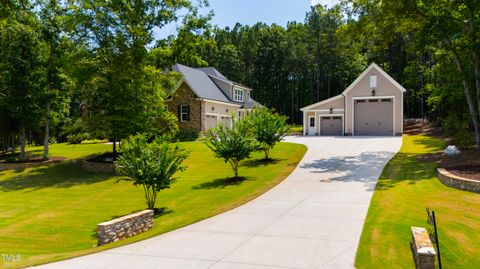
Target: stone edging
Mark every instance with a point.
(98, 167)
(457, 182)
(124, 227)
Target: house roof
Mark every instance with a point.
(204, 83)
(380, 70)
(212, 71)
(322, 102)
(200, 83)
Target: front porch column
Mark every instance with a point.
(304, 123)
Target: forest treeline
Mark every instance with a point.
(59, 59)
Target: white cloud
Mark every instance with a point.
(329, 3)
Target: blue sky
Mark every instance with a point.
(249, 12)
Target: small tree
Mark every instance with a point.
(267, 127)
(151, 165)
(232, 144)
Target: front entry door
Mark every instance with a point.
(311, 125)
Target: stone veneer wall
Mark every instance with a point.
(422, 249)
(185, 96)
(98, 167)
(457, 182)
(124, 227)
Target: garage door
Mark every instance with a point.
(225, 121)
(211, 122)
(374, 117)
(331, 125)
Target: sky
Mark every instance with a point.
(249, 12)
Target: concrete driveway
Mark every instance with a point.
(313, 219)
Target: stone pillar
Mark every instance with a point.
(422, 249)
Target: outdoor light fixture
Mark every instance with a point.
(331, 110)
(213, 108)
(226, 110)
(373, 92)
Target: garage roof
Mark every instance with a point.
(380, 70)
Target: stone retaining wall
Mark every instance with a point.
(422, 249)
(457, 182)
(98, 167)
(124, 227)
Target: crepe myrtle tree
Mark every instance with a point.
(152, 165)
(231, 144)
(267, 128)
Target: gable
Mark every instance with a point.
(385, 83)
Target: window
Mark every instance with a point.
(184, 113)
(238, 95)
(373, 101)
(312, 122)
(373, 82)
(387, 100)
(248, 95)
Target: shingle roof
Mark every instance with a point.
(202, 82)
(212, 71)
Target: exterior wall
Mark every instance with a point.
(185, 96)
(384, 88)
(218, 109)
(335, 104)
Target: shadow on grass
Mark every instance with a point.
(221, 183)
(62, 175)
(260, 162)
(429, 143)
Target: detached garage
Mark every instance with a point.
(371, 106)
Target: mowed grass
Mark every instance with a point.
(50, 213)
(405, 188)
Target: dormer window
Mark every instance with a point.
(238, 95)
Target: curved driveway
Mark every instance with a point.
(313, 219)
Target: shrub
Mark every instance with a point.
(232, 144)
(268, 128)
(457, 128)
(77, 138)
(188, 135)
(152, 165)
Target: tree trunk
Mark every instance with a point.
(22, 144)
(47, 132)
(114, 149)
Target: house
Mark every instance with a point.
(371, 106)
(205, 98)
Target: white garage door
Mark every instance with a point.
(373, 117)
(211, 121)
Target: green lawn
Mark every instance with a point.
(50, 213)
(405, 188)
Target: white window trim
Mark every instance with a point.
(183, 113)
(238, 97)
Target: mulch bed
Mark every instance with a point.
(466, 171)
(466, 165)
(104, 158)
